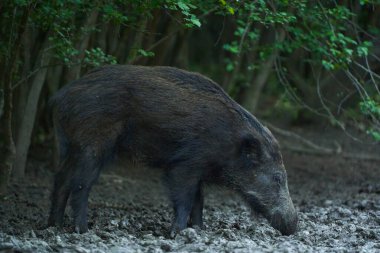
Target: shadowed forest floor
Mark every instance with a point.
(338, 200)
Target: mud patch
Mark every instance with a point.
(338, 201)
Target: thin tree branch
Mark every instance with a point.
(299, 138)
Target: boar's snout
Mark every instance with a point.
(286, 221)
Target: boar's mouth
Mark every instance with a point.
(284, 219)
(286, 223)
(257, 206)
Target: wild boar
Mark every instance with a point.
(173, 119)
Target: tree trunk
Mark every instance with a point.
(9, 67)
(101, 38)
(20, 92)
(138, 40)
(113, 37)
(74, 72)
(8, 151)
(169, 33)
(230, 80)
(181, 58)
(150, 37)
(27, 123)
(122, 50)
(252, 94)
(1, 103)
(53, 79)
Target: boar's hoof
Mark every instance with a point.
(80, 229)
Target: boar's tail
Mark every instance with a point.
(60, 140)
(51, 108)
(51, 104)
(53, 100)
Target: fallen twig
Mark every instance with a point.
(310, 147)
(306, 142)
(359, 156)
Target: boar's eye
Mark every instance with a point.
(279, 178)
(251, 148)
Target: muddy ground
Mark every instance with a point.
(338, 200)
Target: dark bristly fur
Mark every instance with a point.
(168, 118)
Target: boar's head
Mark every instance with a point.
(259, 175)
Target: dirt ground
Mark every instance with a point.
(338, 200)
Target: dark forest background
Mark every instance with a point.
(301, 62)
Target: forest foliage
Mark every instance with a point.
(296, 60)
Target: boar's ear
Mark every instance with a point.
(250, 147)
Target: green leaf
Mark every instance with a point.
(183, 6)
(230, 10)
(362, 51)
(328, 65)
(230, 67)
(375, 134)
(145, 53)
(370, 106)
(195, 21)
(233, 48)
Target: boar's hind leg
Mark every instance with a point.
(183, 190)
(61, 192)
(85, 174)
(197, 210)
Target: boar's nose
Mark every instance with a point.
(286, 223)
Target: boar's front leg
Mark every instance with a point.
(87, 171)
(61, 191)
(183, 188)
(197, 210)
